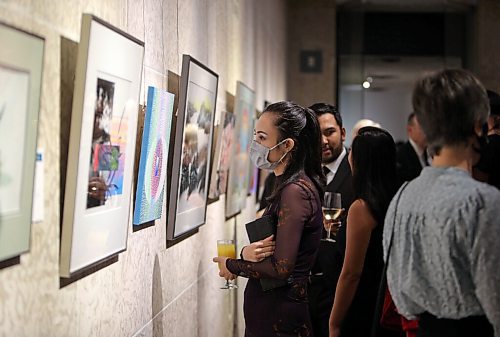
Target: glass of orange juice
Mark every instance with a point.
(227, 248)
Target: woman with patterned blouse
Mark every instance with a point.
(444, 265)
(287, 141)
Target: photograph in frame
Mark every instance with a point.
(222, 156)
(253, 170)
(213, 193)
(193, 148)
(151, 179)
(21, 64)
(101, 147)
(239, 180)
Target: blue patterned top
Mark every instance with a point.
(445, 257)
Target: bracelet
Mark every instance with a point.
(241, 253)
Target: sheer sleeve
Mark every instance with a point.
(294, 211)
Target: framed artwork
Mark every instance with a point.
(213, 191)
(238, 182)
(102, 144)
(21, 63)
(154, 156)
(193, 147)
(253, 170)
(222, 156)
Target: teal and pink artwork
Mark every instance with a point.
(154, 156)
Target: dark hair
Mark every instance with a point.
(494, 100)
(448, 104)
(374, 169)
(410, 118)
(323, 108)
(301, 125)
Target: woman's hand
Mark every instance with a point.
(259, 250)
(97, 188)
(223, 271)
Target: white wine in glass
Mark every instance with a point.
(332, 210)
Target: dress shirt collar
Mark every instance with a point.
(419, 152)
(334, 166)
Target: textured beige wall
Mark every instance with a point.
(312, 26)
(151, 290)
(488, 39)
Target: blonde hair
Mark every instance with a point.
(361, 124)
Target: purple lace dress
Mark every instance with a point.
(284, 311)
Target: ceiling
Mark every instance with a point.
(390, 71)
(393, 70)
(406, 5)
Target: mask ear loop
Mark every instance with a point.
(275, 146)
(284, 155)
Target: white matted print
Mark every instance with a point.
(21, 62)
(239, 177)
(13, 104)
(193, 148)
(102, 146)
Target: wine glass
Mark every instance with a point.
(226, 248)
(332, 209)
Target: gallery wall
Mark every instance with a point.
(311, 32)
(486, 36)
(151, 290)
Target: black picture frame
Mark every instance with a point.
(192, 152)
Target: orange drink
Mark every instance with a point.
(226, 248)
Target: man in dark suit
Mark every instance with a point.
(488, 168)
(411, 157)
(339, 179)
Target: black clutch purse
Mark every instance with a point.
(260, 229)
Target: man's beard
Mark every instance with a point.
(335, 154)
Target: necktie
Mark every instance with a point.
(425, 158)
(326, 170)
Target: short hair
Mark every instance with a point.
(361, 124)
(410, 118)
(323, 108)
(494, 99)
(448, 104)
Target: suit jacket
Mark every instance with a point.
(407, 163)
(342, 183)
(330, 257)
(327, 255)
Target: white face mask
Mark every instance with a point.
(259, 154)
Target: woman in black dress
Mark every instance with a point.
(373, 163)
(287, 141)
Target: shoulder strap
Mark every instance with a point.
(389, 247)
(383, 280)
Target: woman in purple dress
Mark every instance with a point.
(287, 141)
